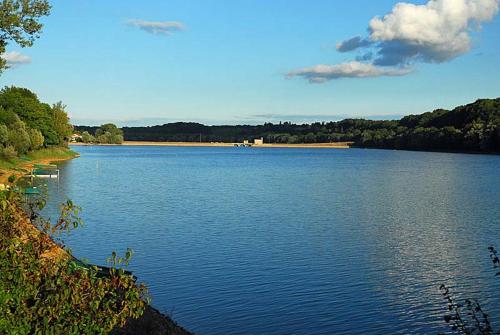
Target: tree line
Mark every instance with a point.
(106, 134)
(26, 124)
(473, 127)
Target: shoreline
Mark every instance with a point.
(334, 145)
(22, 167)
(152, 321)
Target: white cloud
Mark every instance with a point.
(15, 58)
(157, 28)
(435, 32)
(322, 73)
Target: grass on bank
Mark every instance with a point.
(55, 153)
(46, 155)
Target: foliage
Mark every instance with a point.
(32, 112)
(87, 138)
(44, 294)
(4, 135)
(18, 136)
(8, 152)
(474, 127)
(30, 123)
(19, 22)
(52, 153)
(468, 317)
(61, 122)
(109, 134)
(36, 139)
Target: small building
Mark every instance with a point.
(245, 142)
(76, 138)
(259, 141)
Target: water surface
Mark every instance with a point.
(292, 241)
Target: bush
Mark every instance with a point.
(8, 152)
(44, 294)
(36, 139)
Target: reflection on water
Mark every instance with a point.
(287, 241)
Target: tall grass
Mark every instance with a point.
(54, 153)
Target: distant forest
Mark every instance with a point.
(473, 127)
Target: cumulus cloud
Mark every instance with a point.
(435, 32)
(156, 27)
(14, 58)
(322, 73)
(353, 43)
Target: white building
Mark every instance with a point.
(259, 141)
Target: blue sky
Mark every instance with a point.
(235, 61)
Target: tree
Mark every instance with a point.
(19, 137)
(35, 114)
(36, 139)
(109, 134)
(61, 122)
(4, 135)
(87, 138)
(19, 22)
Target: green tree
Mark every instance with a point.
(4, 135)
(19, 23)
(87, 138)
(36, 139)
(61, 122)
(19, 137)
(109, 134)
(35, 114)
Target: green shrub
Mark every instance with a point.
(8, 152)
(42, 294)
(36, 139)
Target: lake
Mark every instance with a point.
(292, 241)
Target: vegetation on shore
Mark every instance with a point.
(27, 125)
(41, 293)
(106, 134)
(44, 155)
(31, 130)
(473, 127)
(468, 317)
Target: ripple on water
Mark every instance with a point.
(288, 241)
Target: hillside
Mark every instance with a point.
(474, 127)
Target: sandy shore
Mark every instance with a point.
(335, 145)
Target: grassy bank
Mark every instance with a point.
(20, 165)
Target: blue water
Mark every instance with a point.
(293, 241)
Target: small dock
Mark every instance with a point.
(45, 171)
